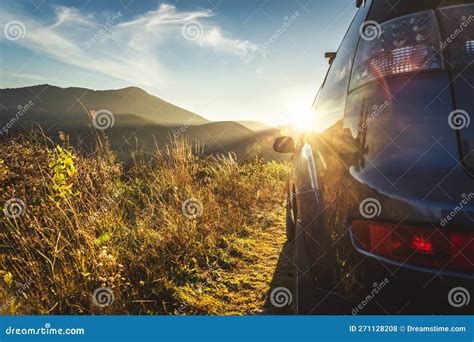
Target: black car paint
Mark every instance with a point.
(408, 159)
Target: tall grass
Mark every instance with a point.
(89, 223)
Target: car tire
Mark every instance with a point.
(315, 271)
(290, 221)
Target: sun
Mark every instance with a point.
(298, 104)
(303, 119)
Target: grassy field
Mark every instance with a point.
(172, 234)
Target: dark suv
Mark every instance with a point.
(381, 201)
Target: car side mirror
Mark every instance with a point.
(284, 145)
(330, 56)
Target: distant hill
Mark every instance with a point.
(140, 120)
(222, 132)
(255, 126)
(71, 103)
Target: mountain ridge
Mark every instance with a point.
(56, 109)
(75, 100)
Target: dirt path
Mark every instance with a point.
(262, 265)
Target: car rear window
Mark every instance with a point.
(383, 10)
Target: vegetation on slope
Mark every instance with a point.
(173, 234)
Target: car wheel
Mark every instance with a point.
(312, 290)
(315, 272)
(290, 221)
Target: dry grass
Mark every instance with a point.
(89, 223)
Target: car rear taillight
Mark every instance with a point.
(415, 245)
(405, 44)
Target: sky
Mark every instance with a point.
(222, 59)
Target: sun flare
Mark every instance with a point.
(298, 103)
(303, 119)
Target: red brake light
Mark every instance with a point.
(419, 243)
(424, 246)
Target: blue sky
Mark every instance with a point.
(214, 57)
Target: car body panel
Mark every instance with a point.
(463, 89)
(407, 158)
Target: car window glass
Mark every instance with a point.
(330, 102)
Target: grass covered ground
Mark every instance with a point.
(172, 234)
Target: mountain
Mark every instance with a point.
(223, 132)
(73, 103)
(255, 126)
(140, 120)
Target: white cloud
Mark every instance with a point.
(166, 14)
(214, 37)
(168, 20)
(128, 50)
